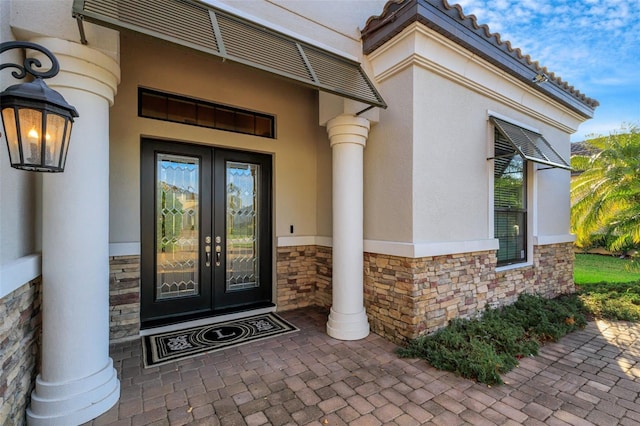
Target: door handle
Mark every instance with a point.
(218, 254)
(207, 251)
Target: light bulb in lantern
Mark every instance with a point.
(49, 149)
(34, 145)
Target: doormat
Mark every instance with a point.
(176, 345)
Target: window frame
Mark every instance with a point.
(235, 113)
(523, 241)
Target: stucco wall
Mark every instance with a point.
(332, 23)
(17, 188)
(324, 195)
(449, 161)
(388, 192)
(440, 97)
(154, 64)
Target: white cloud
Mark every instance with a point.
(592, 44)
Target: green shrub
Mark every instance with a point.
(616, 301)
(483, 349)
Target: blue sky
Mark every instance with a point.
(592, 44)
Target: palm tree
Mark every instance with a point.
(606, 196)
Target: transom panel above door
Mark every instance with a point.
(205, 231)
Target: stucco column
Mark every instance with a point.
(348, 136)
(77, 381)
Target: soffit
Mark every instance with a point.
(450, 21)
(529, 145)
(203, 27)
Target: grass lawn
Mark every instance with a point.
(607, 287)
(595, 268)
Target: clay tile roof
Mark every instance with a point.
(583, 148)
(442, 17)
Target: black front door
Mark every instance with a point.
(205, 231)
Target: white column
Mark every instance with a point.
(77, 381)
(348, 136)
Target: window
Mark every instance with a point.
(180, 109)
(510, 202)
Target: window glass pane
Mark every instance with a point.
(181, 111)
(245, 123)
(243, 194)
(206, 116)
(264, 126)
(510, 204)
(510, 230)
(153, 105)
(509, 187)
(225, 119)
(201, 113)
(178, 225)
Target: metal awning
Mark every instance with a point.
(203, 27)
(529, 145)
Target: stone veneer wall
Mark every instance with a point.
(20, 330)
(295, 277)
(303, 277)
(406, 297)
(124, 297)
(324, 264)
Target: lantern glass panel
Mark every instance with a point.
(31, 132)
(11, 133)
(54, 139)
(65, 144)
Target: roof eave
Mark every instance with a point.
(398, 15)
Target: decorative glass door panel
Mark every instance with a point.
(242, 226)
(205, 231)
(177, 227)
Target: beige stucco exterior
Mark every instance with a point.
(298, 138)
(17, 225)
(395, 205)
(439, 139)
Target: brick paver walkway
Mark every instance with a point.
(589, 377)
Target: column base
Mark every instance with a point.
(348, 326)
(74, 403)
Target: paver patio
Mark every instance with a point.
(590, 377)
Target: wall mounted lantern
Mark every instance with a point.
(37, 120)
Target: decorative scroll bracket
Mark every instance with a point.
(30, 65)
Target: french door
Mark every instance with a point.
(205, 231)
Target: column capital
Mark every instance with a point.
(81, 67)
(348, 128)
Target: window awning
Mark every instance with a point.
(529, 145)
(203, 27)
